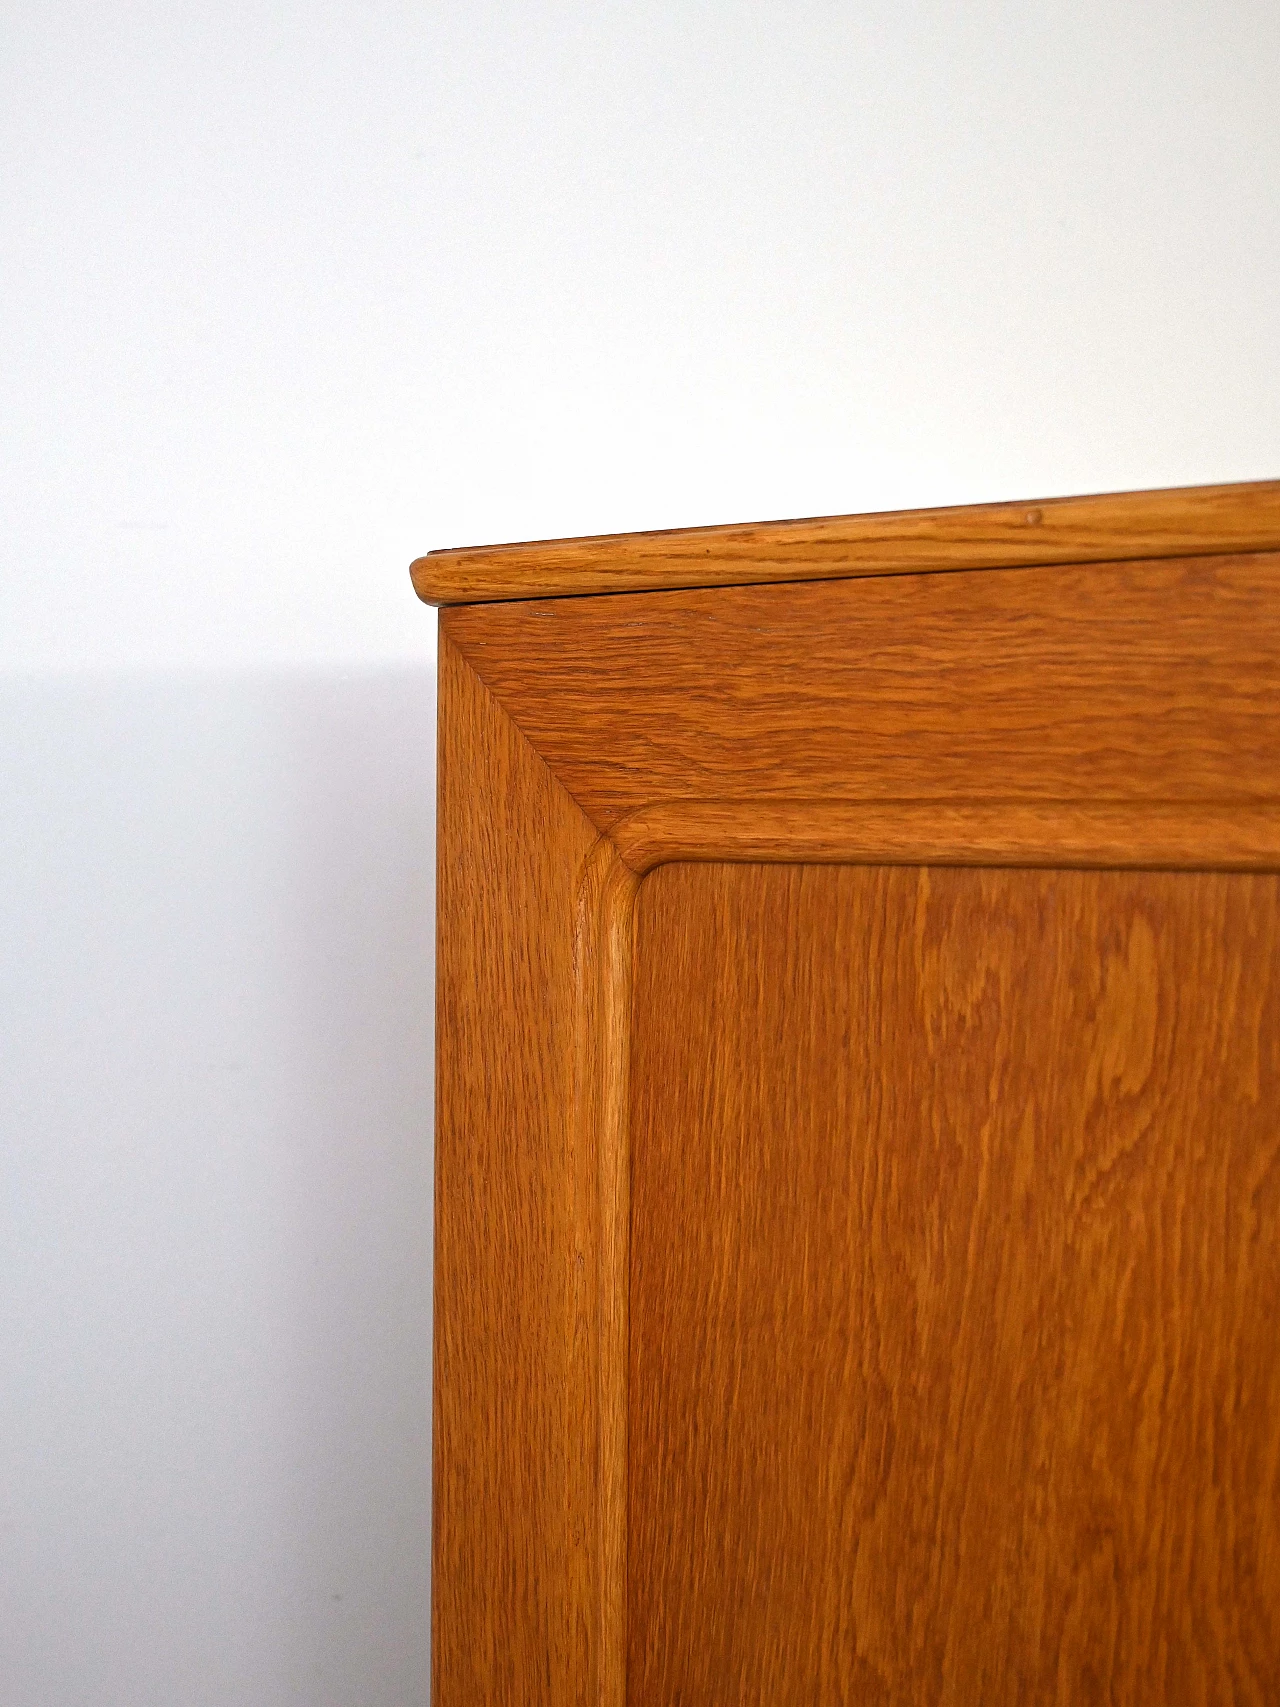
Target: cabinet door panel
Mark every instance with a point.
(955, 1281)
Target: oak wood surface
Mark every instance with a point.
(514, 1470)
(1124, 714)
(1178, 522)
(1111, 682)
(601, 1138)
(955, 1280)
(1151, 834)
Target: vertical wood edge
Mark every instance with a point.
(602, 1216)
(511, 850)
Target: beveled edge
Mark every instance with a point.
(1184, 521)
(1170, 835)
(601, 1140)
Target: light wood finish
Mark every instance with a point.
(1179, 522)
(602, 1206)
(514, 1462)
(1131, 682)
(1120, 715)
(1160, 835)
(532, 1225)
(955, 1284)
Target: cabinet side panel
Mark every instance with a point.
(511, 846)
(955, 1266)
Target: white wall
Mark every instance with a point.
(215, 1188)
(288, 294)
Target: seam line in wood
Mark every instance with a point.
(518, 726)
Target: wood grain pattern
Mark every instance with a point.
(602, 1212)
(1148, 834)
(1179, 522)
(1121, 714)
(1117, 682)
(955, 1279)
(514, 1616)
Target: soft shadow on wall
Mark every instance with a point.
(215, 1223)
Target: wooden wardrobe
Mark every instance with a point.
(858, 1111)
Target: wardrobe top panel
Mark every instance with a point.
(1184, 521)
